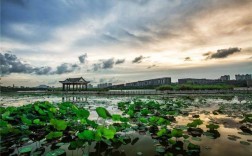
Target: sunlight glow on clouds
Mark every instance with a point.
(125, 40)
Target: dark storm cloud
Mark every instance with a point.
(188, 59)
(120, 61)
(104, 64)
(83, 58)
(109, 63)
(138, 59)
(11, 64)
(66, 68)
(223, 53)
(42, 70)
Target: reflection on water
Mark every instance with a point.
(74, 99)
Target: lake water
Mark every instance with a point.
(143, 143)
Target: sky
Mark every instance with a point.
(120, 41)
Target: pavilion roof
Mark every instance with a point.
(75, 80)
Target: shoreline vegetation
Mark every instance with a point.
(172, 87)
(178, 87)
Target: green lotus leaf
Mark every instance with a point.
(195, 123)
(52, 109)
(171, 141)
(59, 124)
(25, 120)
(212, 126)
(145, 112)
(192, 146)
(103, 113)
(162, 132)
(109, 133)
(92, 123)
(82, 113)
(57, 152)
(116, 117)
(36, 121)
(177, 133)
(143, 120)
(131, 113)
(53, 135)
(25, 149)
(3, 123)
(87, 135)
(6, 115)
(124, 119)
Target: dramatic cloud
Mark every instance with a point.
(120, 61)
(104, 64)
(11, 64)
(49, 34)
(222, 53)
(109, 63)
(138, 59)
(188, 59)
(66, 68)
(43, 70)
(83, 58)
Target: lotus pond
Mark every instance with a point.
(125, 125)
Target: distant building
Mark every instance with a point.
(43, 86)
(90, 86)
(104, 85)
(118, 86)
(249, 83)
(198, 81)
(225, 78)
(243, 77)
(151, 82)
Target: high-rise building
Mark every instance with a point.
(243, 77)
(104, 85)
(225, 78)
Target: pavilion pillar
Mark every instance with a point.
(86, 86)
(73, 86)
(63, 87)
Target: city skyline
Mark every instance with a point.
(123, 41)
